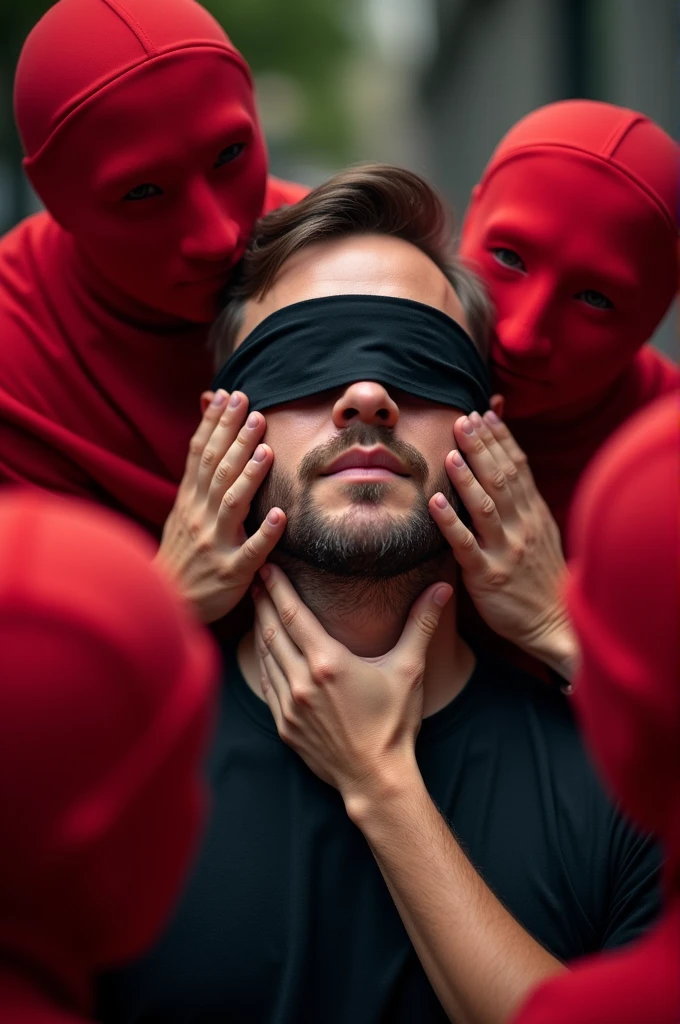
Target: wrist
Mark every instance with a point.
(558, 648)
(381, 793)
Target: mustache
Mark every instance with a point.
(365, 435)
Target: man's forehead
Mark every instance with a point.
(356, 265)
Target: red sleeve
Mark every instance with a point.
(282, 193)
(639, 984)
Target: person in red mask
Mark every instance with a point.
(105, 701)
(573, 230)
(625, 602)
(142, 139)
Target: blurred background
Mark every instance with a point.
(430, 84)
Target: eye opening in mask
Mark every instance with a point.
(596, 300)
(140, 192)
(511, 259)
(229, 154)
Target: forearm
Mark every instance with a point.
(480, 961)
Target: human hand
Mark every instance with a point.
(512, 565)
(204, 547)
(353, 720)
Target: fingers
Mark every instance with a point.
(481, 506)
(257, 548)
(230, 508)
(201, 437)
(300, 623)
(505, 464)
(224, 435)
(513, 451)
(269, 689)
(463, 543)
(482, 463)
(422, 623)
(234, 460)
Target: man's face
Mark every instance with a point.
(354, 467)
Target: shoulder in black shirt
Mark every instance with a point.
(286, 918)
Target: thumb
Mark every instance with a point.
(423, 620)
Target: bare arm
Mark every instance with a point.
(354, 722)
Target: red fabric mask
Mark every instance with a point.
(104, 708)
(158, 187)
(624, 598)
(104, 311)
(573, 230)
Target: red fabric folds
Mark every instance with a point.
(105, 704)
(142, 139)
(624, 596)
(573, 229)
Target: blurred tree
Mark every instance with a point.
(304, 42)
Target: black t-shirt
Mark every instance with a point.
(286, 918)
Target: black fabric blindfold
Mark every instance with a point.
(319, 344)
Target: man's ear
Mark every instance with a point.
(497, 404)
(207, 397)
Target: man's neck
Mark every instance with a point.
(368, 617)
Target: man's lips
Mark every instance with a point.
(366, 462)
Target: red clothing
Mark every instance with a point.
(105, 702)
(624, 598)
(573, 230)
(558, 453)
(143, 141)
(637, 985)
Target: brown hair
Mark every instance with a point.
(370, 199)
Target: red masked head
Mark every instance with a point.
(104, 708)
(624, 597)
(573, 230)
(142, 139)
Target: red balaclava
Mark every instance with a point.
(624, 597)
(573, 230)
(105, 704)
(142, 139)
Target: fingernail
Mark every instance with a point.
(265, 572)
(219, 398)
(234, 401)
(491, 417)
(457, 459)
(440, 501)
(260, 454)
(467, 426)
(476, 420)
(441, 596)
(252, 420)
(273, 517)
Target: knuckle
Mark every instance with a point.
(413, 672)
(498, 480)
(323, 671)
(208, 458)
(487, 507)
(511, 472)
(520, 459)
(299, 693)
(288, 614)
(428, 623)
(195, 446)
(230, 500)
(194, 528)
(250, 550)
(222, 473)
(468, 542)
(497, 576)
(269, 634)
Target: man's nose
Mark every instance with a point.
(365, 402)
(210, 232)
(524, 330)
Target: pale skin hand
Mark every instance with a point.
(351, 719)
(354, 721)
(204, 547)
(512, 565)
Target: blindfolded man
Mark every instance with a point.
(353, 331)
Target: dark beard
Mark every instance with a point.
(375, 548)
